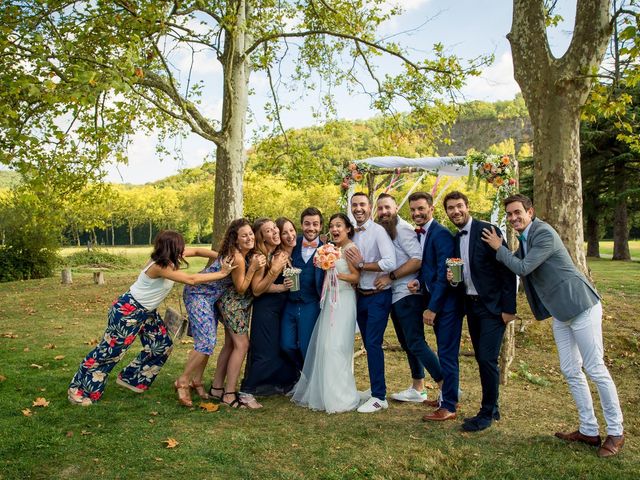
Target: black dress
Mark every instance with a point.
(268, 370)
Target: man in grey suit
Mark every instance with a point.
(555, 288)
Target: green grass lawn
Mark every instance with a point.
(46, 329)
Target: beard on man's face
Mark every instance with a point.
(389, 224)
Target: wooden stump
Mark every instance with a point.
(98, 278)
(508, 352)
(66, 276)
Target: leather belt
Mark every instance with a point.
(367, 293)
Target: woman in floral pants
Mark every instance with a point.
(134, 313)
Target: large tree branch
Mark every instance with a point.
(590, 38)
(193, 117)
(345, 36)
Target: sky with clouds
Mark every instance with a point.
(466, 28)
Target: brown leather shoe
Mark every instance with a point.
(576, 436)
(611, 446)
(439, 415)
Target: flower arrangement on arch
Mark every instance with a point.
(347, 176)
(326, 256)
(497, 170)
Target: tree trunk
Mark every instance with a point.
(150, 232)
(593, 234)
(113, 234)
(620, 218)
(130, 234)
(230, 153)
(98, 278)
(66, 277)
(554, 90)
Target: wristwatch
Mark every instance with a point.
(360, 265)
(392, 276)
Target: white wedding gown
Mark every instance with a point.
(327, 382)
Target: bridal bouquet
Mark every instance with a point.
(326, 256)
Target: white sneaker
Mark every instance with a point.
(373, 405)
(410, 395)
(364, 395)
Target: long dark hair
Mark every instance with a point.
(228, 244)
(351, 230)
(168, 250)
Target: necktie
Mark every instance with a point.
(419, 230)
(461, 233)
(313, 244)
(360, 229)
(522, 238)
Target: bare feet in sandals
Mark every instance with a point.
(250, 401)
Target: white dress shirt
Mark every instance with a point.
(375, 246)
(308, 252)
(407, 246)
(464, 254)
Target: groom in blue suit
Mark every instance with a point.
(303, 307)
(442, 308)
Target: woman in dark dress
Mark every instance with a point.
(268, 371)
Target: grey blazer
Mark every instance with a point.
(553, 284)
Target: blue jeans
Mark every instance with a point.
(373, 315)
(406, 315)
(298, 320)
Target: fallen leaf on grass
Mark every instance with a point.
(40, 402)
(69, 434)
(93, 341)
(25, 349)
(58, 357)
(27, 412)
(171, 442)
(186, 342)
(49, 346)
(209, 407)
(2, 378)
(152, 421)
(158, 459)
(8, 335)
(86, 432)
(154, 413)
(35, 365)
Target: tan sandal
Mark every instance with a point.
(184, 394)
(200, 391)
(214, 396)
(76, 399)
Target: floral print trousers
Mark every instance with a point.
(127, 319)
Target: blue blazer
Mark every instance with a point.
(495, 283)
(439, 245)
(298, 262)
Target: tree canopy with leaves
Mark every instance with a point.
(85, 75)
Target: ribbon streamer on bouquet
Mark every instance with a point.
(330, 288)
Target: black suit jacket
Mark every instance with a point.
(495, 284)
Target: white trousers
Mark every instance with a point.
(579, 342)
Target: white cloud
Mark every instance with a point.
(495, 83)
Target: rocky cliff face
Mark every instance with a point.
(481, 134)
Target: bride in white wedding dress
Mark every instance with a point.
(327, 382)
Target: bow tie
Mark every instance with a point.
(313, 244)
(420, 230)
(360, 229)
(522, 238)
(461, 233)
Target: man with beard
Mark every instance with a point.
(489, 292)
(406, 308)
(442, 309)
(375, 253)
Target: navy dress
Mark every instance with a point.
(268, 370)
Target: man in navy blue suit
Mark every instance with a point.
(489, 291)
(303, 307)
(441, 306)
